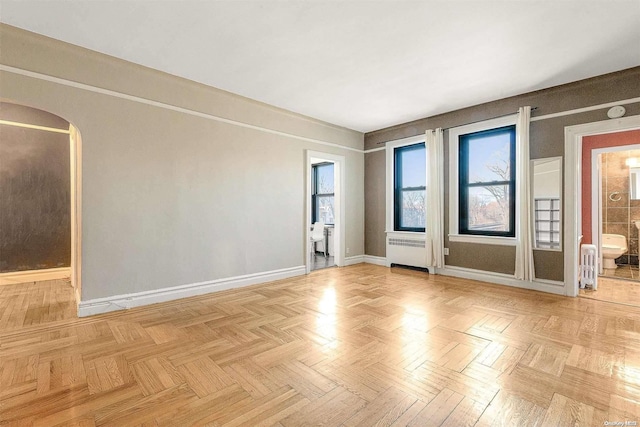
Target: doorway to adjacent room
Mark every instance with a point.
(325, 212)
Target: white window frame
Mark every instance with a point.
(390, 150)
(454, 189)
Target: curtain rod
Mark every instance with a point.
(465, 124)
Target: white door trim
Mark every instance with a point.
(573, 189)
(75, 152)
(339, 205)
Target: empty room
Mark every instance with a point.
(287, 213)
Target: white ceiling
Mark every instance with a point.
(364, 65)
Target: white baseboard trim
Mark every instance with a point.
(14, 277)
(376, 260)
(548, 282)
(542, 285)
(503, 279)
(369, 259)
(358, 259)
(138, 299)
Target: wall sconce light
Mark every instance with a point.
(632, 162)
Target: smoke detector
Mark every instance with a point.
(616, 112)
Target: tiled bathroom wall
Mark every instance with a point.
(619, 210)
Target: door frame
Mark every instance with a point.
(75, 193)
(597, 194)
(75, 153)
(339, 205)
(573, 136)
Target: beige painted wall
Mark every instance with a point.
(171, 198)
(547, 140)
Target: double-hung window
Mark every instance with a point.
(322, 197)
(483, 182)
(409, 187)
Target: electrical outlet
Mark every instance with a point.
(348, 250)
(446, 251)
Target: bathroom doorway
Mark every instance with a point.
(618, 203)
(610, 209)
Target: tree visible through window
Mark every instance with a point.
(487, 182)
(410, 172)
(323, 193)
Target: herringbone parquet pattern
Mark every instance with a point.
(355, 346)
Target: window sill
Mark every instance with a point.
(483, 240)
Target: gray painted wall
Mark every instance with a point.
(35, 222)
(546, 140)
(169, 198)
(35, 219)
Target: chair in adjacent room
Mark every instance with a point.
(317, 235)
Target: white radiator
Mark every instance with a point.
(589, 266)
(406, 250)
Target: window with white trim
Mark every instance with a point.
(486, 184)
(406, 178)
(410, 176)
(483, 182)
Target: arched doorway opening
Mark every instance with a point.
(40, 198)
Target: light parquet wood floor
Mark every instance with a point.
(615, 290)
(25, 304)
(355, 346)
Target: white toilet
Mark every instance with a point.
(613, 245)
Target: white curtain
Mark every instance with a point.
(524, 253)
(434, 200)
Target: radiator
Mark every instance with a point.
(588, 267)
(406, 250)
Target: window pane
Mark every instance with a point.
(414, 167)
(489, 157)
(325, 209)
(413, 209)
(325, 179)
(409, 187)
(489, 208)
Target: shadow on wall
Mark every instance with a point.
(35, 221)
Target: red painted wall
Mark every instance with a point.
(590, 143)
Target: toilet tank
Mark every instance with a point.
(617, 240)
